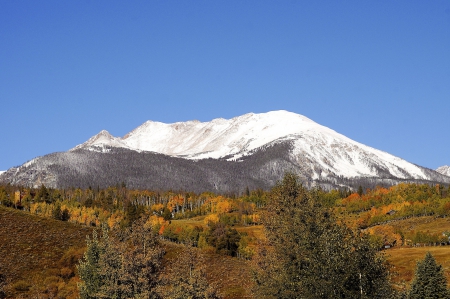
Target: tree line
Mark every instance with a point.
(401, 201)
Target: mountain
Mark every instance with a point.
(445, 170)
(215, 139)
(99, 141)
(222, 155)
(330, 152)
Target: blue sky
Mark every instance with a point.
(375, 71)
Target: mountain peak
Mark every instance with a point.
(445, 170)
(102, 139)
(329, 151)
(219, 137)
(104, 133)
(267, 144)
(214, 139)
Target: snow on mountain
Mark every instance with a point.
(101, 142)
(2, 171)
(445, 170)
(219, 137)
(214, 139)
(323, 150)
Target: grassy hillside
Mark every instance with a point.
(32, 250)
(429, 224)
(232, 275)
(404, 262)
(404, 258)
(38, 257)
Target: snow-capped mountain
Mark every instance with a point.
(252, 150)
(101, 142)
(327, 151)
(445, 170)
(215, 139)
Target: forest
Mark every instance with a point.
(152, 171)
(287, 242)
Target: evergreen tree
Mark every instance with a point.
(429, 281)
(2, 285)
(65, 215)
(110, 263)
(167, 215)
(43, 195)
(4, 197)
(223, 238)
(89, 269)
(133, 212)
(309, 255)
(56, 213)
(247, 192)
(360, 191)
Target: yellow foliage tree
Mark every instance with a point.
(211, 218)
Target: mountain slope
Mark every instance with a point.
(219, 137)
(445, 170)
(32, 248)
(146, 170)
(330, 152)
(214, 139)
(251, 150)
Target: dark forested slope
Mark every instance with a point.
(148, 170)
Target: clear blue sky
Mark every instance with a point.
(375, 71)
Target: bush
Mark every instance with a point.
(21, 286)
(67, 273)
(71, 257)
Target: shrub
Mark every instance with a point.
(21, 286)
(67, 273)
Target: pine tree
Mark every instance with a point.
(65, 215)
(360, 191)
(110, 264)
(43, 195)
(56, 213)
(89, 269)
(429, 281)
(309, 255)
(2, 285)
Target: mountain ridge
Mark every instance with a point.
(214, 139)
(241, 135)
(222, 155)
(445, 170)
